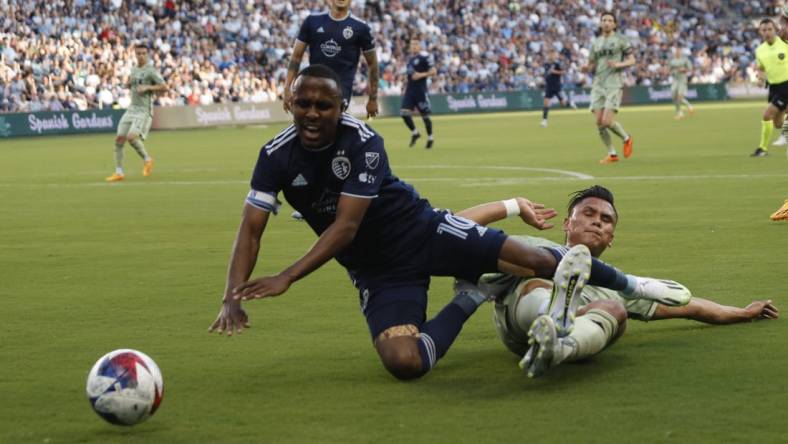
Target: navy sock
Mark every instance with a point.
(409, 122)
(427, 124)
(438, 333)
(545, 110)
(602, 274)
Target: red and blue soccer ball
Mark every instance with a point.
(125, 387)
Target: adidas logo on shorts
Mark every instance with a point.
(299, 181)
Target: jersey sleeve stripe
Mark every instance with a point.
(271, 147)
(358, 195)
(263, 201)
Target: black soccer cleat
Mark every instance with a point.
(759, 152)
(413, 139)
(429, 144)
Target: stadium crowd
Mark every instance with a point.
(76, 54)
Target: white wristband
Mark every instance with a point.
(512, 207)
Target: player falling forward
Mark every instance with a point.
(421, 66)
(533, 323)
(334, 170)
(611, 52)
(336, 39)
(135, 124)
(680, 67)
(552, 85)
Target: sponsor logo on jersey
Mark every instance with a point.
(366, 178)
(299, 181)
(330, 48)
(372, 159)
(347, 33)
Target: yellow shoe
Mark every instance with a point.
(115, 177)
(148, 168)
(610, 158)
(782, 213)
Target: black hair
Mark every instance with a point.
(322, 71)
(766, 21)
(597, 191)
(612, 14)
(141, 45)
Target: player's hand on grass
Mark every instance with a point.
(262, 288)
(762, 310)
(232, 318)
(372, 108)
(535, 214)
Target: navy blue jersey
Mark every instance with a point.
(337, 44)
(552, 81)
(422, 62)
(397, 221)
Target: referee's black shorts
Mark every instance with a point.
(778, 95)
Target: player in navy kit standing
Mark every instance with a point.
(334, 170)
(336, 39)
(421, 65)
(552, 85)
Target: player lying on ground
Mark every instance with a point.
(524, 306)
(334, 170)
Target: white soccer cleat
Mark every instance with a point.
(664, 291)
(544, 123)
(781, 141)
(297, 216)
(570, 277)
(544, 343)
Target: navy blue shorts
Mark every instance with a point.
(457, 247)
(549, 93)
(416, 100)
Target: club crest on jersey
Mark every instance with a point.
(330, 48)
(347, 33)
(781, 56)
(372, 159)
(341, 167)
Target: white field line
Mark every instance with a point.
(461, 181)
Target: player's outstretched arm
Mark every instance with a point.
(534, 214)
(338, 235)
(232, 318)
(292, 70)
(710, 312)
(371, 58)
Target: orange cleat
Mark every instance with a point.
(782, 213)
(610, 158)
(148, 168)
(116, 177)
(628, 147)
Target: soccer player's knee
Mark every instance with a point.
(120, 140)
(131, 137)
(533, 284)
(614, 308)
(401, 357)
(405, 112)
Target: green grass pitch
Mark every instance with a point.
(87, 267)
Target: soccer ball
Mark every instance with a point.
(125, 387)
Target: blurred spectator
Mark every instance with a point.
(74, 54)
